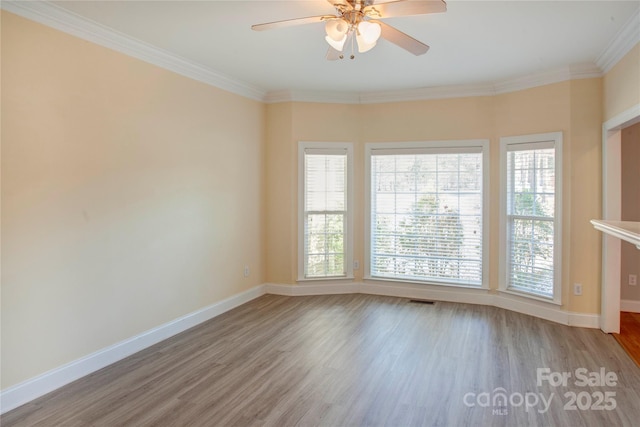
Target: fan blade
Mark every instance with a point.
(291, 22)
(401, 39)
(404, 8)
(332, 54)
(341, 4)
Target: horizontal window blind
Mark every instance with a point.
(325, 213)
(426, 215)
(531, 217)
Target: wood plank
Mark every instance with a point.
(629, 336)
(345, 360)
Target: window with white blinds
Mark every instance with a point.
(325, 212)
(531, 217)
(427, 212)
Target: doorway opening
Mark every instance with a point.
(612, 210)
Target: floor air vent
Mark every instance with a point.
(421, 301)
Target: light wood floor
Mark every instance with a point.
(629, 337)
(349, 360)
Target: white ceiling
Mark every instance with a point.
(474, 42)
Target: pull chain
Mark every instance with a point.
(352, 44)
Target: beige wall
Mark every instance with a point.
(630, 168)
(571, 107)
(131, 196)
(622, 84)
(280, 186)
(583, 182)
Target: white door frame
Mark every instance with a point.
(611, 210)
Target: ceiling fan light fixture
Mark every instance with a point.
(369, 32)
(337, 45)
(363, 46)
(336, 29)
(356, 22)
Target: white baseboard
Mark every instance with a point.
(482, 296)
(630, 306)
(26, 391)
(582, 320)
(407, 290)
(312, 289)
(531, 307)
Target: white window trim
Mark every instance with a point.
(443, 146)
(554, 138)
(326, 148)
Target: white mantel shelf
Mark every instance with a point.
(628, 231)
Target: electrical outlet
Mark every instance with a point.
(633, 279)
(356, 265)
(577, 289)
(246, 271)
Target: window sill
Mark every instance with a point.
(432, 283)
(324, 279)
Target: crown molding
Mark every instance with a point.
(622, 43)
(68, 22)
(419, 94)
(573, 72)
(326, 97)
(585, 71)
(427, 93)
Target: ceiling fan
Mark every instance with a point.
(358, 23)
